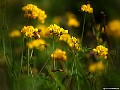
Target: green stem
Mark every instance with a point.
(53, 54)
(44, 65)
(28, 61)
(83, 28)
(21, 61)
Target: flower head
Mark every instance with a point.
(101, 51)
(98, 66)
(42, 30)
(32, 11)
(37, 43)
(74, 43)
(29, 31)
(73, 22)
(113, 28)
(55, 29)
(15, 33)
(58, 54)
(87, 8)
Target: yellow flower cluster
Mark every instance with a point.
(72, 21)
(32, 11)
(96, 67)
(72, 41)
(29, 31)
(101, 51)
(56, 30)
(58, 54)
(37, 43)
(15, 33)
(64, 37)
(113, 28)
(87, 8)
(42, 30)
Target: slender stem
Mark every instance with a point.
(28, 61)
(31, 54)
(53, 54)
(44, 65)
(83, 28)
(73, 66)
(21, 61)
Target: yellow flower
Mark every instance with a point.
(64, 37)
(73, 22)
(32, 11)
(55, 29)
(113, 28)
(84, 8)
(99, 66)
(42, 30)
(29, 31)
(15, 33)
(37, 43)
(101, 51)
(87, 8)
(58, 54)
(74, 43)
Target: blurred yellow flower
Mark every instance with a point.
(101, 51)
(113, 28)
(42, 30)
(58, 54)
(98, 66)
(37, 43)
(15, 33)
(29, 31)
(73, 22)
(55, 29)
(87, 8)
(32, 11)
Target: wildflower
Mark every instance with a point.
(87, 8)
(113, 28)
(29, 31)
(74, 43)
(58, 54)
(73, 22)
(71, 41)
(64, 37)
(15, 33)
(101, 51)
(99, 66)
(54, 29)
(32, 11)
(37, 43)
(42, 30)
